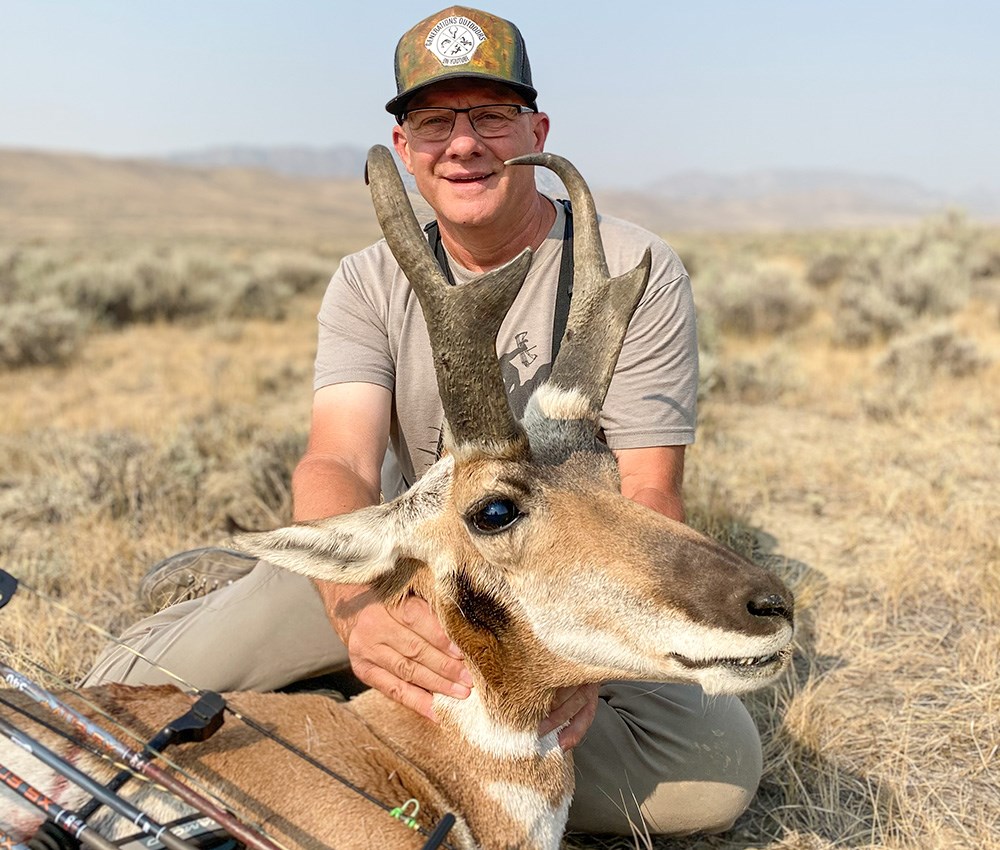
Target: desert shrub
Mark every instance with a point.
(9, 288)
(827, 269)
(42, 332)
(985, 263)
(911, 363)
(228, 472)
(760, 300)
(113, 472)
(26, 272)
(938, 351)
(708, 361)
(754, 380)
(692, 260)
(893, 282)
(168, 284)
(206, 478)
(928, 279)
(866, 313)
(254, 490)
(150, 286)
(299, 272)
(144, 287)
(254, 297)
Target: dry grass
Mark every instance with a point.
(865, 475)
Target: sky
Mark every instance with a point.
(635, 90)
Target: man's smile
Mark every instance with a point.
(468, 178)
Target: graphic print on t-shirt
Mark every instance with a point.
(522, 372)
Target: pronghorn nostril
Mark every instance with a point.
(772, 605)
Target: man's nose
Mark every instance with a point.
(463, 135)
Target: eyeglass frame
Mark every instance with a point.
(520, 107)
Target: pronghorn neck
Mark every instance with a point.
(525, 779)
(486, 730)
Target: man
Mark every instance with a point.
(465, 103)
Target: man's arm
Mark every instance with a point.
(401, 651)
(654, 477)
(341, 469)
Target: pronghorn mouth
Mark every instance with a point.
(740, 666)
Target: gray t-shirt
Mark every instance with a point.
(371, 329)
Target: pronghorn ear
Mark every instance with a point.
(374, 545)
(355, 548)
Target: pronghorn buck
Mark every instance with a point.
(538, 568)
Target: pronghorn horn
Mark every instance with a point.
(602, 306)
(462, 321)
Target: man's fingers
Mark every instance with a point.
(403, 652)
(453, 680)
(408, 656)
(577, 729)
(415, 614)
(574, 709)
(405, 638)
(565, 704)
(404, 693)
(422, 643)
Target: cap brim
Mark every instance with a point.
(397, 105)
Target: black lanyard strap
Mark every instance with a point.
(565, 291)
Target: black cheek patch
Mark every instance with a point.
(483, 611)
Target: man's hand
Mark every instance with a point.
(575, 707)
(401, 651)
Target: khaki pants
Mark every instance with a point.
(688, 762)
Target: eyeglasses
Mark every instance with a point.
(492, 121)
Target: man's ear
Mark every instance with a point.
(540, 128)
(402, 146)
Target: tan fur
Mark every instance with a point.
(373, 742)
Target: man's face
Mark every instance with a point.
(463, 178)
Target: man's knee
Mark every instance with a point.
(668, 756)
(260, 633)
(709, 793)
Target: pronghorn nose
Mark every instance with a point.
(772, 605)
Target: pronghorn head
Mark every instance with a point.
(539, 569)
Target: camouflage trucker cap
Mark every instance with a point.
(460, 42)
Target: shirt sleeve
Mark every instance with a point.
(652, 400)
(353, 340)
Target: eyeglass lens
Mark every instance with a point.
(489, 121)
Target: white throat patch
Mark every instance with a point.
(526, 806)
(454, 40)
(481, 730)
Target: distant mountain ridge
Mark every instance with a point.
(46, 195)
(340, 162)
(768, 199)
(703, 185)
(248, 193)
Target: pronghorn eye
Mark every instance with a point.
(494, 515)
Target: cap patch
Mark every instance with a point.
(454, 40)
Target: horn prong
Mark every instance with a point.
(602, 306)
(462, 321)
